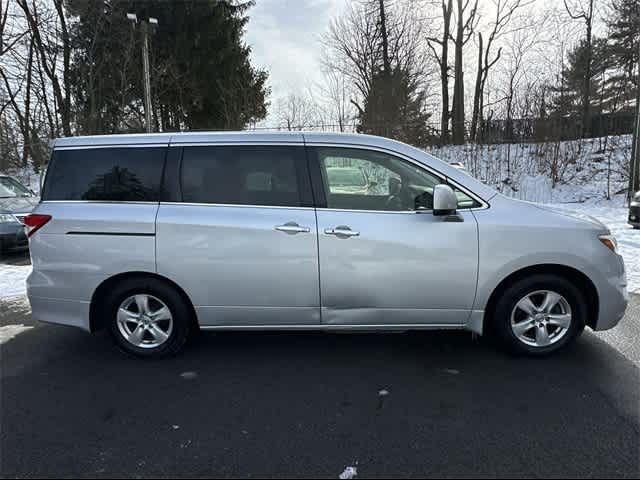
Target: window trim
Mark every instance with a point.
(303, 176)
(115, 145)
(234, 205)
(445, 179)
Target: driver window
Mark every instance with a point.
(357, 179)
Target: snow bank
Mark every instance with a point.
(548, 172)
(9, 332)
(12, 280)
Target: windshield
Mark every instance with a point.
(346, 176)
(12, 188)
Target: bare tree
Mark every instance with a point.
(504, 12)
(359, 45)
(46, 27)
(520, 44)
(351, 47)
(464, 31)
(16, 74)
(442, 57)
(338, 107)
(296, 112)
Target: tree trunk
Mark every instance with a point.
(62, 99)
(447, 10)
(26, 134)
(66, 69)
(387, 96)
(458, 88)
(475, 118)
(586, 95)
(386, 63)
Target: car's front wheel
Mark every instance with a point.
(539, 315)
(148, 318)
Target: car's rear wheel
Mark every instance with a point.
(539, 315)
(148, 318)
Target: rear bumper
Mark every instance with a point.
(61, 312)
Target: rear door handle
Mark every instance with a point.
(292, 228)
(342, 231)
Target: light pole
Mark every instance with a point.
(144, 24)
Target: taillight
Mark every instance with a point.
(34, 222)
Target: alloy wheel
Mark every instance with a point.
(144, 321)
(541, 318)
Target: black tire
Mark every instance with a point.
(180, 312)
(500, 323)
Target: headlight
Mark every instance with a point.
(8, 218)
(610, 242)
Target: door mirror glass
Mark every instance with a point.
(445, 200)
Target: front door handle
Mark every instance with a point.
(342, 231)
(292, 228)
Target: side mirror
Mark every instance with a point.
(445, 201)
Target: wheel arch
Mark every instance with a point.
(572, 274)
(97, 321)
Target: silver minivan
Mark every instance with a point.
(156, 236)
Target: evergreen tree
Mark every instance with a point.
(624, 48)
(395, 109)
(568, 94)
(201, 75)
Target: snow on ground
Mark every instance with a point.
(12, 280)
(348, 473)
(8, 332)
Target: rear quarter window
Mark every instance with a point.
(120, 174)
(244, 175)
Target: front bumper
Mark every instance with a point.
(613, 296)
(634, 215)
(12, 235)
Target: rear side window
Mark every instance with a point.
(106, 174)
(243, 175)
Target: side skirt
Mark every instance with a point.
(336, 328)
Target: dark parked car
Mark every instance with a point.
(16, 202)
(634, 211)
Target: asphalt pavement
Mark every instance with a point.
(429, 404)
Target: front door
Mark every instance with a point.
(242, 242)
(385, 259)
